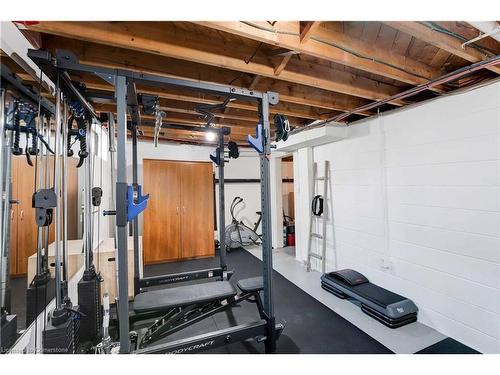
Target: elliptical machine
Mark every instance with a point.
(237, 233)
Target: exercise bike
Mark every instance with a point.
(238, 234)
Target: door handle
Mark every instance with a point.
(11, 215)
(177, 210)
(21, 215)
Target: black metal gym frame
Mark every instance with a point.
(267, 329)
(217, 273)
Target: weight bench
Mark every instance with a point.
(185, 305)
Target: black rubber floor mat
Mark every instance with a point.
(310, 327)
(448, 346)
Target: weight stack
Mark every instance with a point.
(89, 294)
(37, 298)
(62, 338)
(8, 331)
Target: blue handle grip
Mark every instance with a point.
(257, 143)
(134, 209)
(216, 158)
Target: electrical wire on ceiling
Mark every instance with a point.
(435, 27)
(335, 45)
(247, 61)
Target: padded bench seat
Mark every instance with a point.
(251, 285)
(165, 299)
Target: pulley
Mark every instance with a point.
(44, 201)
(282, 127)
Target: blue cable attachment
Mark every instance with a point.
(257, 143)
(134, 209)
(216, 158)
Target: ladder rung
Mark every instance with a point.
(317, 235)
(316, 256)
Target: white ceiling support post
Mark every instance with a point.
(303, 164)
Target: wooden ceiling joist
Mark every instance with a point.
(442, 41)
(330, 45)
(281, 66)
(300, 95)
(307, 28)
(303, 98)
(165, 40)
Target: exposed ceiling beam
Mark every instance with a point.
(283, 52)
(166, 40)
(298, 95)
(253, 83)
(281, 66)
(334, 46)
(446, 42)
(307, 28)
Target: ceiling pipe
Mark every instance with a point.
(492, 61)
(489, 28)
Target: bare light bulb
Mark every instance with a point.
(210, 136)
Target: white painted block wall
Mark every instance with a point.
(416, 209)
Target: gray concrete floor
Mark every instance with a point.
(407, 339)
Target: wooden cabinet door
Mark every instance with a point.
(197, 201)
(23, 227)
(161, 235)
(26, 226)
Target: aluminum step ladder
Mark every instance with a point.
(321, 237)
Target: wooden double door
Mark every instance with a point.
(179, 220)
(23, 229)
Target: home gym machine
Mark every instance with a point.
(24, 112)
(130, 203)
(61, 331)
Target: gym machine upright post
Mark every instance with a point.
(8, 321)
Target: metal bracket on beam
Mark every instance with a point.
(109, 78)
(273, 97)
